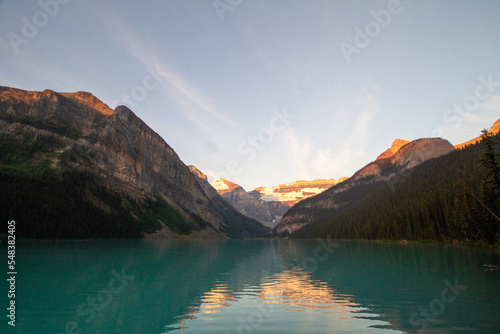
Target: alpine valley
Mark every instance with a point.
(72, 167)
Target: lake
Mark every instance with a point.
(252, 286)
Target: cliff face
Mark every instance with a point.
(394, 163)
(233, 216)
(268, 213)
(135, 160)
(78, 133)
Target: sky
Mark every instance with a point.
(268, 92)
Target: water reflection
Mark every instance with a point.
(257, 286)
(218, 297)
(296, 291)
(286, 292)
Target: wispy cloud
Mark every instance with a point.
(192, 101)
(298, 150)
(463, 128)
(329, 163)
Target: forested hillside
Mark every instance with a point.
(455, 197)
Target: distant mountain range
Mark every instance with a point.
(268, 212)
(74, 168)
(268, 204)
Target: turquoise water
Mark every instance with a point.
(252, 286)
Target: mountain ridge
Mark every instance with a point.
(386, 168)
(77, 133)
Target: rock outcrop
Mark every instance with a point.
(396, 145)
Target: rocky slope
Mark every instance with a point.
(393, 166)
(77, 134)
(268, 212)
(233, 215)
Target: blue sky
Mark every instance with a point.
(211, 76)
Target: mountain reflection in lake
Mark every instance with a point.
(256, 286)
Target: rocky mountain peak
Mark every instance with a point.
(396, 145)
(409, 155)
(223, 186)
(421, 150)
(197, 172)
(91, 101)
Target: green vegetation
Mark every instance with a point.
(150, 212)
(75, 206)
(43, 207)
(240, 226)
(453, 198)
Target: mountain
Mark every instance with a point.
(391, 167)
(452, 198)
(396, 145)
(494, 130)
(293, 192)
(269, 204)
(235, 218)
(268, 213)
(75, 168)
